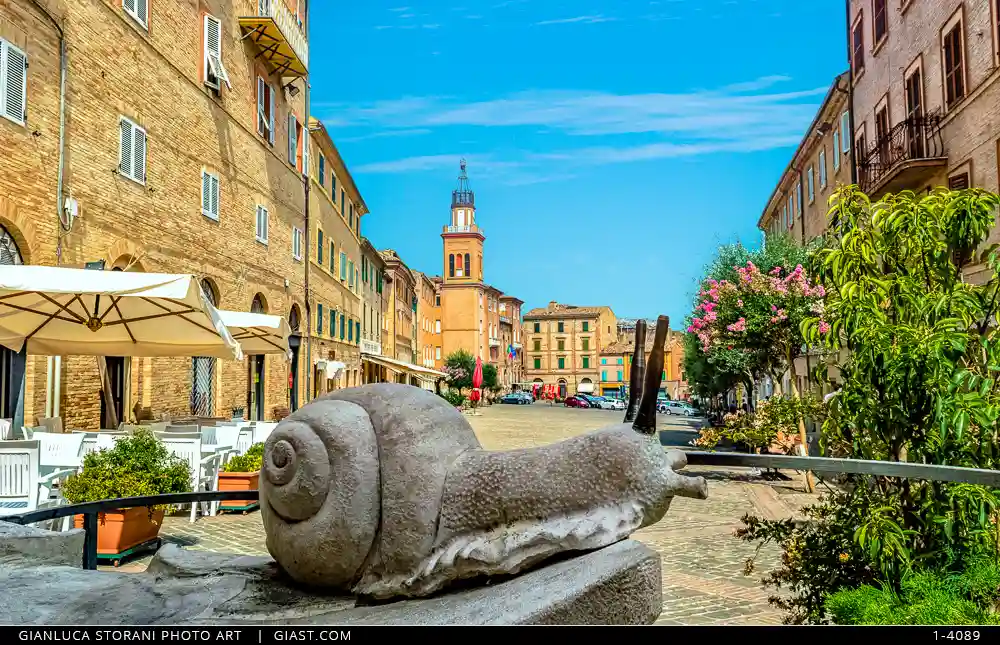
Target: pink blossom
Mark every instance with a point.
(739, 325)
(773, 308)
(824, 327)
(739, 303)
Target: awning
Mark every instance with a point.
(58, 311)
(402, 366)
(257, 333)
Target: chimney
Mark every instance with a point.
(553, 305)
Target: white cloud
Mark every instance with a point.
(582, 19)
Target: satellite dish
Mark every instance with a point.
(69, 213)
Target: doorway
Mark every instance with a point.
(116, 377)
(294, 344)
(12, 364)
(255, 393)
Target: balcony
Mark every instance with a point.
(464, 229)
(505, 320)
(516, 345)
(371, 347)
(494, 342)
(279, 38)
(905, 159)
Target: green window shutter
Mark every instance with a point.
(333, 323)
(343, 265)
(341, 326)
(619, 361)
(619, 375)
(357, 331)
(319, 319)
(319, 247)
(586, 326)
(538, 363)
(664, 377)
(350, 331)
(561, 328)
(586, 362)
(586, 344)
(538, 327)
(562, 363)
(538, 345)
(604, 361)
(604, 375)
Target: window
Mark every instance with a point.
(561, 345)
(214, 71)
(132, 152)
(350, 330)
(139, 10)
(296, 244)
(333, 323)
(822, 169)
(350, 216)
(333, 187)
(619, 362)
(586, 326)
(914, 91)
(604, 375)
(13, 83)
(836, 150)
(953, 57)
(437, 353)
(319, 246)
(562, 362)
(350, 272)
(210, 195)
(880, 21)
(586, 362)
(332, 254)
(959, 181)
(882, 128)
(811, 183)
(322, 169)
(784, 215)
(261, 228)
(538, 327)
(437, 301)
(341, 326)
(996, 30)
(604, 361)
(265, 110)
(858, 46)
(293, 140)
(343, 265)
(468, 265)
(845, 127)
(861, 143)
(437, 326)
(451, 265)
(586, 344)
(797, 199)
(538, 363)
(357, 331)
(619, 375)
(559, 327)
(341, 202)
(319, 319)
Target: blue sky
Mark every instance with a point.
(612, 145)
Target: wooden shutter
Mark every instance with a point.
(215, 71)
(271, 114)
(13, 82)
(261, 106)
(206, 194)
(293, 145)
(139, 154)
(125, 155)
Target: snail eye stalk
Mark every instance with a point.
(638, 368)
(645, 421)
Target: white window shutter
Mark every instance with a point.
(13, 82)
(129, 5)
(292, 143)
(206, 194)
(125, 156)
(215, 196)
(139, 163)
(215, 71)
(270, 116)
(265, 223)
(142, 10)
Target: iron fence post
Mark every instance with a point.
(90, 541)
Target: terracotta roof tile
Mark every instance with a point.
(564, 311)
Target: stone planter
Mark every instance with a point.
(121, 532)
(239, 481)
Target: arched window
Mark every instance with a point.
(451, 265)
(468, 264)
(293, 318)
(258, 306)
(9, 253)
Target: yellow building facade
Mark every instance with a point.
(564, 343)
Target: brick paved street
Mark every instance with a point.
(703, 581)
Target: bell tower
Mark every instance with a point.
(463, 239)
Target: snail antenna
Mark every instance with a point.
(645, 421)
(638, 367)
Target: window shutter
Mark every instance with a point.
(292, 143)
(14, 77)
(215, 197)
(139, 162)
(206, 194)
(125, 155)
(129, 5)
(261, 118)
(270, 115)
(142, 10)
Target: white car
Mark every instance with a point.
(612, 404)
(676, 407)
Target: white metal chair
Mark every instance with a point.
(22, 488)
(204, 468)
(6, 430)
(59, 451)
(245, 440)
(182, 429)
(28, 432)
(227, 438)
(262, 430)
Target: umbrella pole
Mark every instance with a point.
(109, 401)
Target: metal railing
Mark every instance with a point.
(288, 24)
(927, 472)
(465, 228)
(912, 139)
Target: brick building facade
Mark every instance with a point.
(181, 146)
(564, 343)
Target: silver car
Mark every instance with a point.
(612, 404)
(676, 407)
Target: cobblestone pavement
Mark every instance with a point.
(703, 581)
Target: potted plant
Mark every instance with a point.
(242, 472)
(137, 465)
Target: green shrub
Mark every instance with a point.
(251, 462)
(926, 598)
(454, 397)
(137, 465)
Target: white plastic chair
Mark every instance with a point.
(59, 451)
(262, 430)
(204, 468)
(245, 440)
(226, 438)
(22, 488)
(6, 430)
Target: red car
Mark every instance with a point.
(577, 402)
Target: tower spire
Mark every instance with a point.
(463, 196)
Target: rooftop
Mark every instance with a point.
(556, 310)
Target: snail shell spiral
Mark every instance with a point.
(319, 491)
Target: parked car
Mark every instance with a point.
(515, 398)
(594, 401)
(612, 404)
(676, 407)
(577, 402)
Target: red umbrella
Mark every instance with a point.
(477, 375)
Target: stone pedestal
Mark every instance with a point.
(44, 585)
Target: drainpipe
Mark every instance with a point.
(308, 249)
(850, 96)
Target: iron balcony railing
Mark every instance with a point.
(909, 140)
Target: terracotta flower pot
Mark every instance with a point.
(239, 481)
(118, 531)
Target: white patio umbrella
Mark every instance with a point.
(257, 333)
(62, 312)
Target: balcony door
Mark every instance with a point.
(12, 364)
(914, 86)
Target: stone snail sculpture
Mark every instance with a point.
(384, 490)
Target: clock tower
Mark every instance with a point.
(463, 239)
